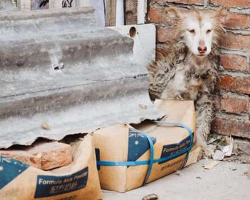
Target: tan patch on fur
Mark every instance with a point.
(180, 74)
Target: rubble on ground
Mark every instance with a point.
(228, 149)
(150, 197)
(43, 155)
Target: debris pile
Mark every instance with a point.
(226, 148)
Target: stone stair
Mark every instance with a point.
(59, 67)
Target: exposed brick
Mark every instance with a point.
(234, 21)
(234, 84)
(237, 21)
(231, 127)
(24, 157)
(237, 63)
(155, 15)
(234, 62)
(216, 102)
(197, 2)
(232, 3)
(236, 42)
(235, 105)
(54, 154)
(44, 156)
(170, 21)
(165, 34)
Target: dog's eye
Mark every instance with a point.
(192, 31)
(209, 31)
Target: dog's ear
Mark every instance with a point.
(172, 13)
(222, 15)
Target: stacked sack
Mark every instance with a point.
(130, 156)
(76, 181)
(125, 156)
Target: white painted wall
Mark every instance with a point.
(141, 11)
(144, 41)
(119, 13)
(99, 11)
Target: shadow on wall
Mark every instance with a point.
(7, 5)
(97, 4)
(44, 4)
(40, 4)
(11, 5)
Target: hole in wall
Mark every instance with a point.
(132, 32)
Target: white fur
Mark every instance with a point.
(201, 34)
(184, 72)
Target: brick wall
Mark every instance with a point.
(232, 104)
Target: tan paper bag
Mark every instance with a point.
(124, 143)
(77, 181)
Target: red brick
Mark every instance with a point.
(216, 102)
(232, 3)
(197, 2)
(24, 157)
(44, 156)
(234, 62)
(165, 34)
(231, 127)
(234, 84)
(170, 21)
(235, 105)
(236, 42)
(155, 15)
(237, 21)
(54, 154)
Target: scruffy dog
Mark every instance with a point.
(187, 69)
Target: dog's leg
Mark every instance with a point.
(204, 116)
(158, 82)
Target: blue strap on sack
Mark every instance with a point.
(190, 134)
(151, 161)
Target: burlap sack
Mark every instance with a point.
(77, 181)
(123, 144)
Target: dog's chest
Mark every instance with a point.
(186, 84)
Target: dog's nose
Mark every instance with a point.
(202, 49)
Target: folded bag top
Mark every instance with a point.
(129, 157)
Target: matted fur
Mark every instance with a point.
(180, 75)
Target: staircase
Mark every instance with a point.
(58, 67)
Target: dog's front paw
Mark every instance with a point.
(208, 151)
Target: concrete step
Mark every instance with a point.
(56, 37)
(6, 5)
(56, 89)
(64, 70)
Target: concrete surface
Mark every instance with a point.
(63, 69)
(225, 181)
(6, 5)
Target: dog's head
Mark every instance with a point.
(200, 29)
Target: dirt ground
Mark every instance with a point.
(239, 157)
(226, 181)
